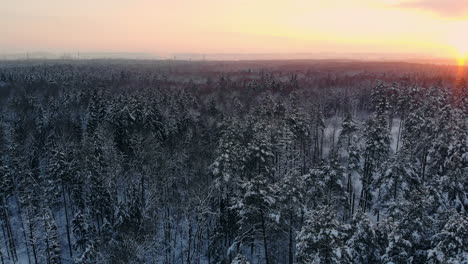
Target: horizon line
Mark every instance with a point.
(220, 56)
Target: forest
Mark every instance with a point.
(234, 162)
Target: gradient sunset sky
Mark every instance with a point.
(433, 27)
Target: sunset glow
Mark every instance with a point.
(461, 59)
(462, 54)
(189, 26)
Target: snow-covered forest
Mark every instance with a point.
(111, 161)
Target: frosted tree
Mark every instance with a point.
(228, 164)
(353, 171)
(348, 130)
(411, 226)
(451, 244)
(51, 238)
(317, 131)
(450, 159)
(227, 170)
(240, 259)
(321, 238)
(377, 143)
(291, 200)
(98, 196)
(85, 239)
(257, 213)
(398, 178)
(348, 152)
(297, 123)
(361, 246)
(325, 185)
(96, 111)
(57, 169)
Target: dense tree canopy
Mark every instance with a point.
(204, 162)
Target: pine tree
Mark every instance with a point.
(411, 226)
(354, 172)
(291, 192)
(88, 256)
(317, 131)
(450, 159)
(451, 244)
(257, 213)
(361, 247)
(57, 172)
(399, 177)
(85, 240)
(81, 231)
(240, 259)
(51, 239)
(96, 111)
(98, 195)
(377, 148)
(326, 184)
(228, 164)
(348, 129)
(321, 239)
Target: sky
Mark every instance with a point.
(438, 28)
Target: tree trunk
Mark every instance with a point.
(424, 164)
(399, 134)
(31, 237)
(67, 221)
(11, 239)
(47, 242)
(142, 191)
(1, 257)
(189, 243)
(265, 245)
(291, 256)
(208, 246)
(350, 196)
(20, 216)
(5, 240)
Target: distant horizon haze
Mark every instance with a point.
(424, 27)
(403, 57)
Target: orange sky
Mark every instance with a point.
(435, 27)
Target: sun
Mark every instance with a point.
(462, 56)
(460, 46)
(461, 60)
(458, 41)
(461, 53)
